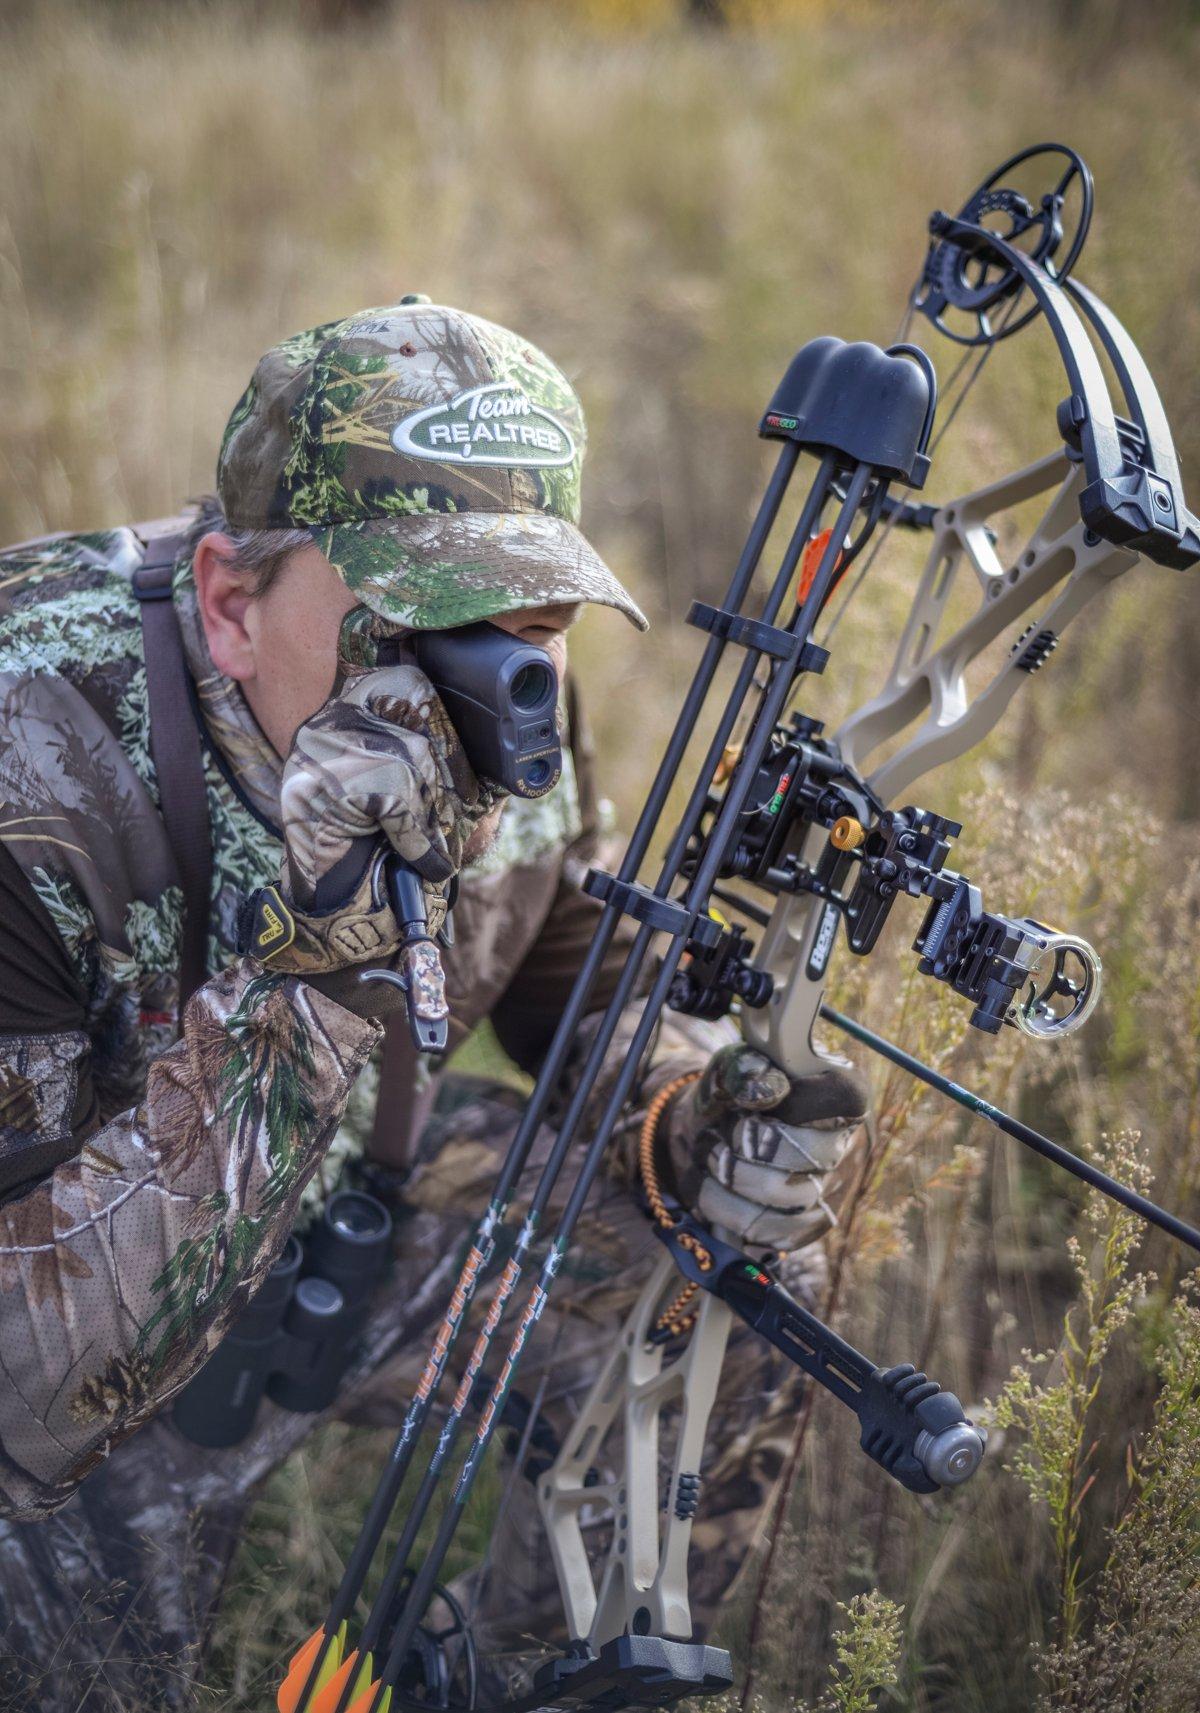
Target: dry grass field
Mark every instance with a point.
(672, 210)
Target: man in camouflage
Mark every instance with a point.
(407, 468)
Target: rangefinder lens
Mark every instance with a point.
(537, 774)
(531, 685)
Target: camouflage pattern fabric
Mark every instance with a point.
(82, 823)
(139, 1555)
(134, 1258)
(381, 757)
(178, 1178)
(81, 815)
(754, 1151)
(435, 458)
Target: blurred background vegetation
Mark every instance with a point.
(671, 198)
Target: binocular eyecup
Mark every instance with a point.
(295, 1339)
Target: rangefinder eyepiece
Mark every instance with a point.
(502, 695)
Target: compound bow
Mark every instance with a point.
(807, 820)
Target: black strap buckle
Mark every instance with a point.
(154, 576)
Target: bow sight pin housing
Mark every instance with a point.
(295, 1340)
(502, 695)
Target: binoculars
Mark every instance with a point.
(295, 1340)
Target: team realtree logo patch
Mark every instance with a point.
(493, 424)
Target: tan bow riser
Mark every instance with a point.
(926, 713)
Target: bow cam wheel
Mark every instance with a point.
(961, 289)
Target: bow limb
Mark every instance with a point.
(1057, 572)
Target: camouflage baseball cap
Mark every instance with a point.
(434, 457)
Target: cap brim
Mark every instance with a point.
(445, 569)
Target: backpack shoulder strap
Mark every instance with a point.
(175, 747)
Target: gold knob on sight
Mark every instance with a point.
(847, 834)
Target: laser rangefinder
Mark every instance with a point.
(502, 695)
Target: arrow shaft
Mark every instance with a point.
(1024, 1133)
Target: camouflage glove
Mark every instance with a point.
(751, 1148)
(378, 769)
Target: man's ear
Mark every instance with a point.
(224, 596)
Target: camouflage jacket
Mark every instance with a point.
(151, 1166)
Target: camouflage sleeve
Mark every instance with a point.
(121, 1270)
(47, 1098)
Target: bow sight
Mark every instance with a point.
(1013, 970)
(808, 822)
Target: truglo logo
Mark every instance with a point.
(493, 424)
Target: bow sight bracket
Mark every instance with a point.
(1012, 969)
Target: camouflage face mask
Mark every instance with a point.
(435, 459)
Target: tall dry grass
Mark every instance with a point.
(671, 212)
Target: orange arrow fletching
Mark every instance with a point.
(297, 1673)
(364, 1681)
(287, 1699)
(363, 1704)
(327, 1696)
(326, 1701)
